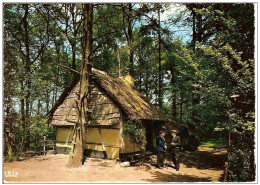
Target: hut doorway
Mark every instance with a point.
(149, 137)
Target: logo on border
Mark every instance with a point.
(11, 173)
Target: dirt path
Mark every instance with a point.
(199, 166)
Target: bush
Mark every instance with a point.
(136, 133)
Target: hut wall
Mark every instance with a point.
(63, 139)
(64, 134)
(110, 137)
(111, 140)
(114, 144)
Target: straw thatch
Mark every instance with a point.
(111, 98)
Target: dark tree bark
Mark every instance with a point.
(39, 107)
(146, 83)
(73, 57)
(47, 100)
(159, 62)
(76, 156)
(8, 125)
(28, 72)
(127, 15)
(23, 115)
(181, 111)
(199, 25)
(195, 102)
(173, 94)
(57, 48)
(140, 76)
(130, 34)
(193, 30)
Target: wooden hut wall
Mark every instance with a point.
(104, 139)
(97, 139)
(64, 136)
(112, 140)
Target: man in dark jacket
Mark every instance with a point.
(160, 148)
(175, 148)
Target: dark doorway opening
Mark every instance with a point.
(149, 137)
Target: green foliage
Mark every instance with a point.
(40, 129)
(135, 131)
(241, 156)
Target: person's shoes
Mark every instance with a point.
(176, 168)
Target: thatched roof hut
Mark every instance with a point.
(113, 101)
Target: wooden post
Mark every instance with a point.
(44, 145)
(101, 138)
(35, 145)
(54, 144)
(119, 64)
(120, 134)
(225, 171)
(67, 140)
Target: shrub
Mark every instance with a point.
(136, 133)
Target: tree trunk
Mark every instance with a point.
(9, 145)
(195, 102)
(199, 27)
(23, 115)
(57, 47)
(140, 77)
(181, 112)
(159, 62)
(78, 142)
(193, 30)
(39, 107)
(130, 35)
(8, 125)
(28, 72)
(173, 94)
(73, 58)
(47, 100)
(146, 85)
(119, 63)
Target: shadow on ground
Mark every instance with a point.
(162, 177)
(204, 160)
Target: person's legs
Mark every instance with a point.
(164, 158)
(177, 161)
(174, 159)
(160, 159)
(178, 156)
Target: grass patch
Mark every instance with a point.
(213, 143)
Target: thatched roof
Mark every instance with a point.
(132, 103)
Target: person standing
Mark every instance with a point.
(160, 148)
(175, 149)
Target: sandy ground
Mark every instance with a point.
(199, 166)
